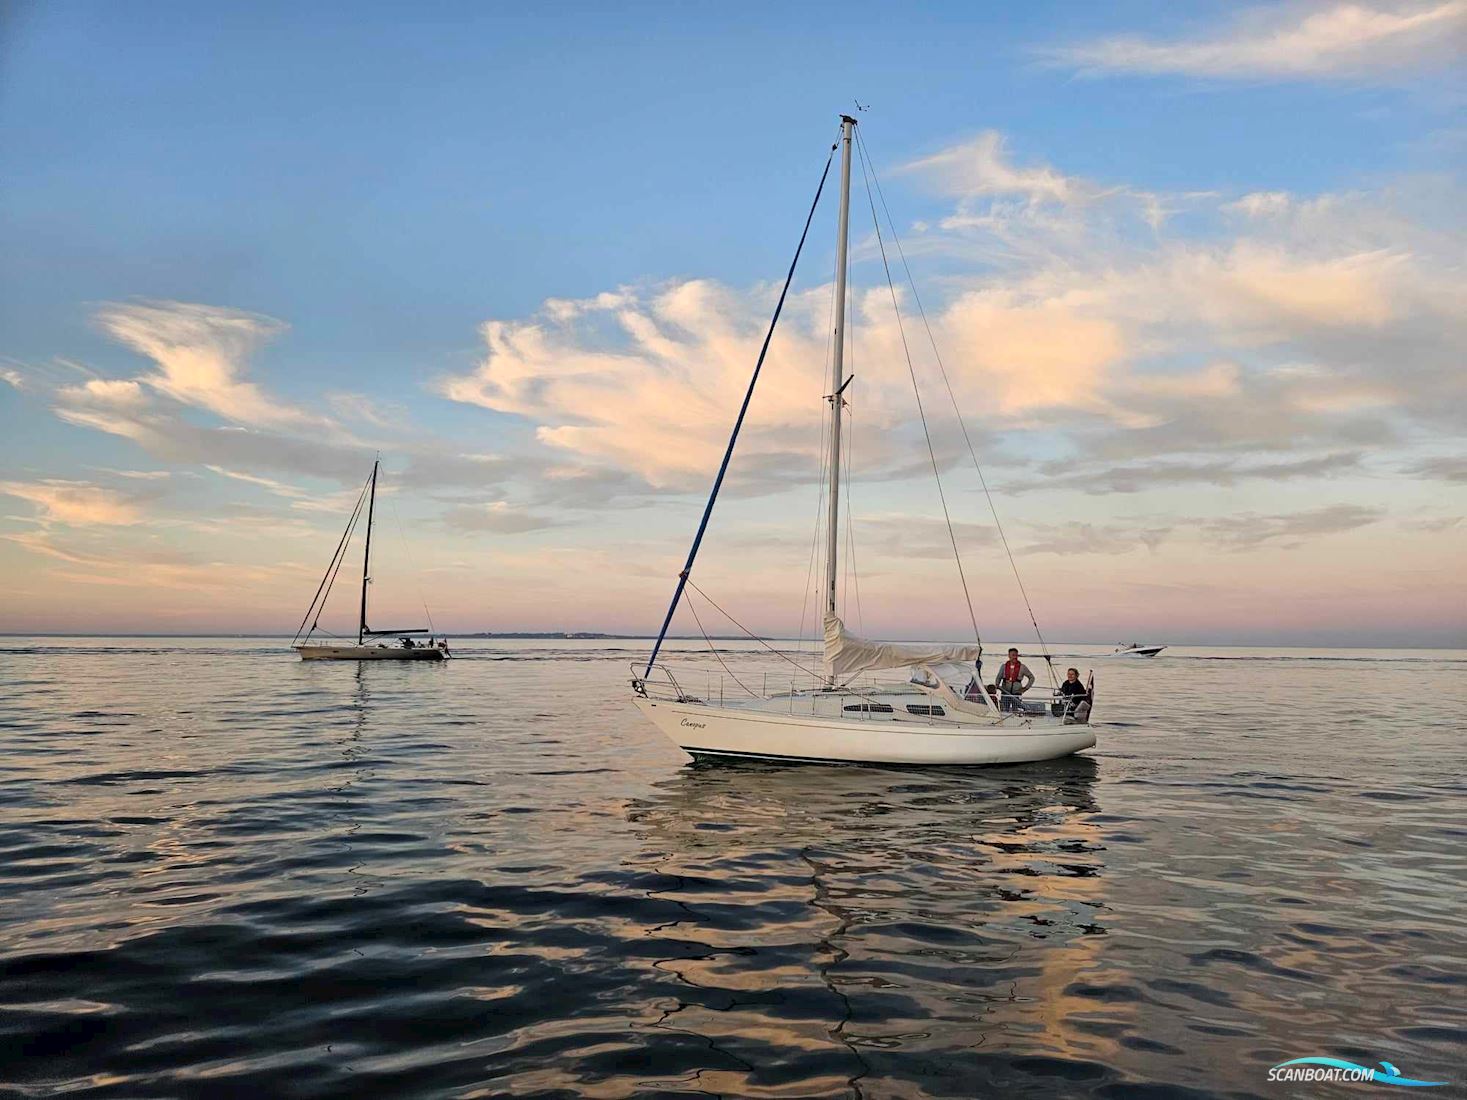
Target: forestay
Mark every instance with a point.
(847, 654)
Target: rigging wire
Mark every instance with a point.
(845, 563)
(714, 649)
(779, 653)
(957, 411)
(330, 584)
(782, 656)
(412, 565)
(814, 538)
(917, 392)
(820, 485)
(851, 579)
(850, 524)
(738, 424)
(331, 569)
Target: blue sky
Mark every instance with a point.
(368, 186)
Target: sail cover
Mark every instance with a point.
(847, 654)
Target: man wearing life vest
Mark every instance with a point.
(1014, 678)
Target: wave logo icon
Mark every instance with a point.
(1337, 1069)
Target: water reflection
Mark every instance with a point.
(876, 914)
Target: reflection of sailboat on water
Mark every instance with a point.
(920, 810)
(933, 906)
(365, 649)
(944, 714)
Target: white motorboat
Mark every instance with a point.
(943, 714)
(1136, 649)
(371, 645)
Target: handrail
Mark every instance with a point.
(663, 685)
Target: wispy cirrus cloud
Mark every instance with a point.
(982, 165)
(497, 517)
(1225, 472)
(164, 569)
(200, 352)
(1245, 532)
(1078, 537)
(1290, 41)
(646, 379)
(1442, 468)
(303, 500)
(75, 503)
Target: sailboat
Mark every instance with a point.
(371, 645)
(943, 714)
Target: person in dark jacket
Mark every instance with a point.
(1076, 697)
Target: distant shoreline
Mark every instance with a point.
(554, 635)
(588, 636)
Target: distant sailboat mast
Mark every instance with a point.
(367, 554)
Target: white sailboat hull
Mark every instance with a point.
(704, 730)
(368, 653)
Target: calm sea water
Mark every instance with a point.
(224, 872)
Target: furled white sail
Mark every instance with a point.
(847, 654)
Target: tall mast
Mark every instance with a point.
(837, 362)
(367, 554)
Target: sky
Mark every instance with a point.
(1195, 274)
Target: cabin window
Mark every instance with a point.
(932, 711)
(870, 708)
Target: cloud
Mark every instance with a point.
(980, 166)
(142, 475)
(649, 380)
(1260, 204)
(75, 503)
(652, 388)
(1321, 326)
(1233, 532)
(1292, 41)
(498, 517)
(200, 351)
(160, 571)
(279, 488)
(107, 393)
(1091, 538)
(1140, 477)
(367, 410)
(1245, 532)
(170, 438)
(300, 445)
(1446, 468)
(1438, 524)
(905, 536)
